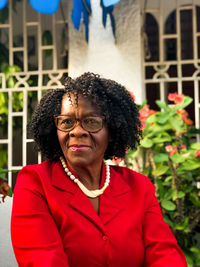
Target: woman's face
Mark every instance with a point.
(80, 147)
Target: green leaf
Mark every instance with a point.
(152, 118)
(147, 143)
(190, 165)
(195, 146)
(132, 154)
(189, 260)
(184, 225)
(3, 170)
(11, 82)
(177, 124)
(146, 171)
(160, 157)
(177, 158)
(195, 199)
(186, 102)
(162, 138)
(162, 105)
(163, 117)
(168, 205)
(3, 176)
(181, 194)
(17, 68)
(161, 189)
(196, 251)
(160, 128)
(160, 170)
(168, 221)
(171, 193)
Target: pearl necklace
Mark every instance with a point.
(89, 193)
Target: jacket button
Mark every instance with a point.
(105, 237)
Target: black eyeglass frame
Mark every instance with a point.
(56, 117)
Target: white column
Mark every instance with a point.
(118, 59)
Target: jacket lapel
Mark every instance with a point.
(115, 197)
(82, 204)
(111, 201)
(79, 201)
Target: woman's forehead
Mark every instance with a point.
(78, 101)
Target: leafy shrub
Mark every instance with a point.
(170, 156)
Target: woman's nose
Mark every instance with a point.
(78, 130)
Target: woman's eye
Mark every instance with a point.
(67, 122)
(90, 121)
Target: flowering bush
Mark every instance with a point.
(170, 156)
(5, 189)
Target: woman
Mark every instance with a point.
(73, 209)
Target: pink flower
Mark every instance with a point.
(176, 98)
(197, 153)
(171, 149)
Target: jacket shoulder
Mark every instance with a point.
(132, 178)
(35, 174)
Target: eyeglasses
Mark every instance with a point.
(91, 124)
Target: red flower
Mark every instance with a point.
(188, 121)
(184, 116)
(197, 153)
(176, 98)
(171, 149)
(144, 113)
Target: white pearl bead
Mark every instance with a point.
(89, 193)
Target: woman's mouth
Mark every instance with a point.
(79, 147)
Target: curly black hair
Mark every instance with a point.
(115, 102)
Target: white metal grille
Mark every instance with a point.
(172, 51)
(39, 43)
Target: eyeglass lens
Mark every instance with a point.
(90, 124)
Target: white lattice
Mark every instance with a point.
(47, 61)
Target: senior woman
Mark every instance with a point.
(74, 209)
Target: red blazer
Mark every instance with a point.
(55, 225)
